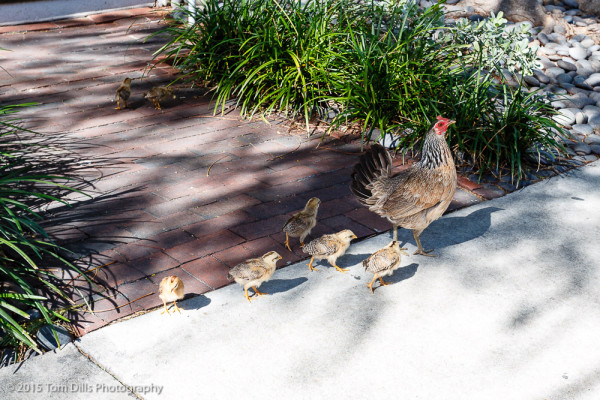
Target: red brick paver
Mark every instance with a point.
(174, 191)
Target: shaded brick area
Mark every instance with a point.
(174, 191)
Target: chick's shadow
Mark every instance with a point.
(282, 285)
(403, 273)
(195, 301)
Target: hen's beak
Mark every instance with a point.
(451, 122)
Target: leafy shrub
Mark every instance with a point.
(492, 44)
(25, 248)
(386, 65)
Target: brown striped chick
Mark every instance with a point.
(329, 247)
(158, 94)
(123, 93)
(170, 289)
(251, 273)
(302, 222)
(383, 262)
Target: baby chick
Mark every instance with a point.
(251, 273)
(158, 94)
(170, 289)
(329, 247)
(302, 222)
(123, 93)
(383, 262)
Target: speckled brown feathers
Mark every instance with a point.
(415, 197)
(171, 289)
(158, 94)
(301, 223)
(123, 93)
(253, 272)
(383, 262)
(329, 247)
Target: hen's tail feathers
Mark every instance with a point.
(374, 164)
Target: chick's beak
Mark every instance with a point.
(354, 237)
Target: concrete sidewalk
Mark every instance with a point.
(509, 309)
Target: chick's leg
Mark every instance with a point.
(166, 309)
(257, 291)
(177, 308)
(339, 269)
(287, 241)
(382, 282)
(420, 247)
(370, 285)
(246, 294)
(311, 263)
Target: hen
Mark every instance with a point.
(416, 197)
(329, 247)
(251, 273)
(383, 262)
(302, 222)
(170, 289)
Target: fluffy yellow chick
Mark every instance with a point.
(329, 247)
(302, 222)
(383, 262)
(158, 94)
(170, 289)
(123, 93)
(253, 272)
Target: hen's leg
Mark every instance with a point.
(395, 231)
(420, 247)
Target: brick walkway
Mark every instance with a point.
(155, 210)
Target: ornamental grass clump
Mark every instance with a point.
(386, 65)
(26, 281)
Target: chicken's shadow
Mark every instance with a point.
(350, 260)
(403, 273)
(195, 301)
(282, 285)
(448, 231)
(399, 275)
